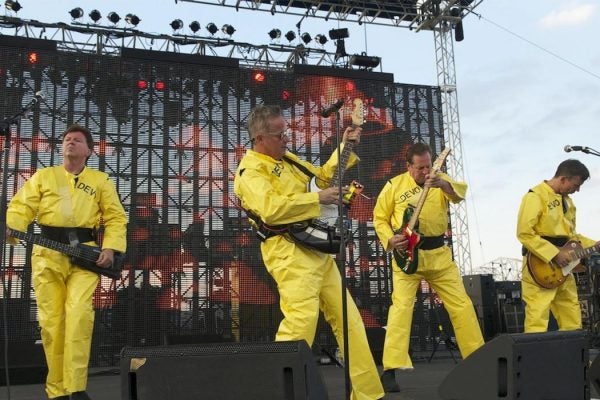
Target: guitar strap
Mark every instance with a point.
(301, 167)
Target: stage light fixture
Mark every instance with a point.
(228, 29)
(176, 24)
(306, 38)
(95, 15)
(12, 5)
(76, 13)
(459, 33)
(364, 61)
(336, 34)
(321, 39)
(274, 34)
(211, 28)
(194, 26)
(290, 35)
(259, 77)
(113, 17)
(132, 19)
(32, 57)
(142, 84)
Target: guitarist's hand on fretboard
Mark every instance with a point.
(434, 181)
(398, 242)
(352, 133)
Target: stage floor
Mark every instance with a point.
(420, 384)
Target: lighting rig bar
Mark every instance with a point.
(411, 14)
(97, 39)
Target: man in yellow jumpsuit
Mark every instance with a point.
(272, 186)
(435, 263)
(546, 222)
(68, 198)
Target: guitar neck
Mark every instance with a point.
(583, 253)
(44, 242)
(343, 162)
(415, 216)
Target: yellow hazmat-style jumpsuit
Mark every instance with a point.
(307, 280)
(63, 291)
(435, 266)
(546, 213)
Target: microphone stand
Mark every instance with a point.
(342, 257)
(589, 150)
(5, 131)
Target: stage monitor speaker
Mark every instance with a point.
(533, 366)
(26, 363)
(224, 371)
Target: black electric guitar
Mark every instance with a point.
(408, 259)
(82, 255)
(322, 233)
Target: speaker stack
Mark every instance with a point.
(481, 290)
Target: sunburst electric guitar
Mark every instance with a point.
(82, 255)
(322, 233)
(549, 275)
(408, 259)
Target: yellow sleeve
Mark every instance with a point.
(382, 214)
(530, 213)
(460, 189)
(258, 195)
(23, 207)
(114, 217)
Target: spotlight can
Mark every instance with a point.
(95, 15)
(76, 13)
(113, 17)
(194, 26)
(228, 29)
(176, 24)
(211, 28)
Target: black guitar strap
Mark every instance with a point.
(301, 167)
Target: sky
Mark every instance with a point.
(528, 83)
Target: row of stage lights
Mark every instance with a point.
(338, 35)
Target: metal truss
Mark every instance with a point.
(446, 76)
(412, 14)
(102, 40)
(503, 269)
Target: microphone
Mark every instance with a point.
(326, 112)
(569, 148)
(39, 95)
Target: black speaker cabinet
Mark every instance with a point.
(26, 363)
(221, 371)
(534, 366)
(595, 374)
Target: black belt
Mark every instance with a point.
(60, 234)
(431, 242)
(558, 241)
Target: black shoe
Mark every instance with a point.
(60, 398)
(388, 381)
(80, 396)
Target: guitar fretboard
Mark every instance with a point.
(344, 157)
(583, 253)
(51, 244)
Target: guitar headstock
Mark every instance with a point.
(358, 112)
(439, 161)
